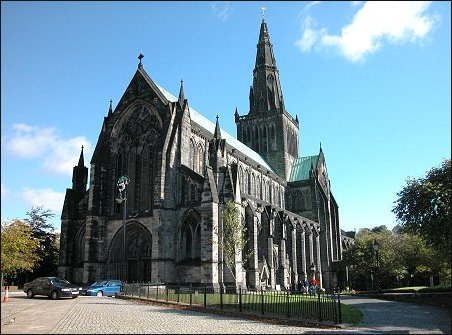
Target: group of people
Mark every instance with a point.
(309, 287)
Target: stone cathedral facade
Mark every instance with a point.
(182, 169)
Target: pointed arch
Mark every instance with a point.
(189, 236)
(138, 253)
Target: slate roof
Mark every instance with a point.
(208, 125)
(302, 166)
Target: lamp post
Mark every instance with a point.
(376, 247)
(123, 181)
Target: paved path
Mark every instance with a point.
(103, 315)
(400, 317)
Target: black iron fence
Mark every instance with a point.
(291, 304)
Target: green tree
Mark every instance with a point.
(18, 248)
(361, 258)
(423, 207)
(412, 256)
(48, 239)
(234, 237)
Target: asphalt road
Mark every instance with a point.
(103, 315)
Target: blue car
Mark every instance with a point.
(103, 287)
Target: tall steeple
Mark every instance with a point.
(268, 128)
(265, 93)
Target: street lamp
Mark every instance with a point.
(376, 247)
(123, 181)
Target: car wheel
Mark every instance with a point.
(30, 293)
(99, 293)
(54, 295)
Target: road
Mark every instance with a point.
(103, 315)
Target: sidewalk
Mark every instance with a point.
(399, 317)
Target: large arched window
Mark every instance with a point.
(190, 237)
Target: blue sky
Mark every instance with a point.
(371, 81)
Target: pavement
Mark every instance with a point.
(104, 315)
(397, 317)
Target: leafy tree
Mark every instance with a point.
(234, 236)
(18, 248)
(423, 207)
(412, 256)
(44, 233)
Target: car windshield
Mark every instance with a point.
(99, 283)
(58, 280)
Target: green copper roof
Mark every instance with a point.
(302, 166)
(208, 125)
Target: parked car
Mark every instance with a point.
(53, 287)
(103, 287)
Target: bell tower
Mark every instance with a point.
(268, 128)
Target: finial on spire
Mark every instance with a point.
(320, 146)
(140, 57)
(110, 111)
(181, 92)
(217, 133)
(263, 12)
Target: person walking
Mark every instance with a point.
(313, 285)
(305, 284)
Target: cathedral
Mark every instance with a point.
(161, 175)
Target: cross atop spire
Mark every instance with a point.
(140, 57)
(217, 133)
(263, 12)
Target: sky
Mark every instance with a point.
(369, 81)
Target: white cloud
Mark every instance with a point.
(58, 155)
(5, 192)
(47, 198)
(374, 24)
(221, 9)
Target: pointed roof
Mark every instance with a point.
(81, 161)
(217, 133)
(302, 166)
(209, 126)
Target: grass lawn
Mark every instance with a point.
(296, 305)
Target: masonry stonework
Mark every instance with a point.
(182, 169)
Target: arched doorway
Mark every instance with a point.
(136, 267)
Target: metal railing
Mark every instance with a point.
(291, 304)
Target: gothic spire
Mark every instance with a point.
(217, 133)
(266, 93)
(81, 161)
(110, 110)
(181, 93)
